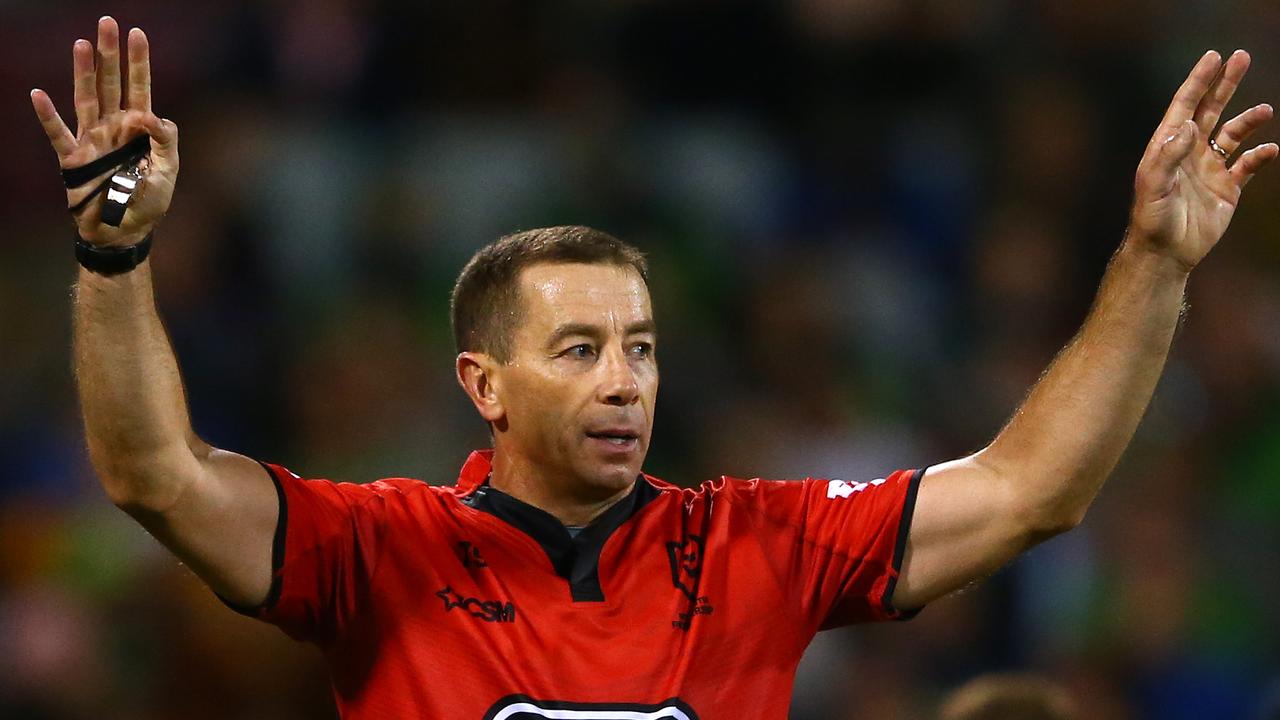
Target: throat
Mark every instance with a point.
(570, 512)
(562, 498)
(573, 549)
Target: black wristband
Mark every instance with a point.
(111, 260)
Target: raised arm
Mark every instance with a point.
(1039, 475)
(214, 509)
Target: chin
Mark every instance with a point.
(609, 466)
(611, 478)
(618, 477)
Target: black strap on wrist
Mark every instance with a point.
(112, 260)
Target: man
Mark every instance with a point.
(1008, 696)
(555, 579)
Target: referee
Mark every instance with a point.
(555, 579)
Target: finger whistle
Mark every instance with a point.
(119, 186)
(122, 187)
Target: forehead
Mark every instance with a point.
(553, 294)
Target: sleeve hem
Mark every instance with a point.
(900, 549)
(277, 555)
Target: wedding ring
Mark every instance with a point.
(1218, 149)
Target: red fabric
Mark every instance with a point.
(428, 608)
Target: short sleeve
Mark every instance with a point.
(847, 543)
(326, 546)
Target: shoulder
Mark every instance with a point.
(378, 494)
(744, 493)
(787, 500)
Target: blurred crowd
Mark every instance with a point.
(871, 223)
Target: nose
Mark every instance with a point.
(618, 386)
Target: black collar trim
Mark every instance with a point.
(575, 558)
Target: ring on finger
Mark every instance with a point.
(1214, 146)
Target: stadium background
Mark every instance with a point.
(872, 224)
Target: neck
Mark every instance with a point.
(561, 497)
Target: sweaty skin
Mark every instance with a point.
(1042, 471)
(582, 368)
(572, 410)
(214, 509)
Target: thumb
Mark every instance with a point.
(1176, 148)
(164, 140)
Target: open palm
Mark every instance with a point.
(103, 125)
(1185, 191)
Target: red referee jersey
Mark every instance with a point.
(462, 602)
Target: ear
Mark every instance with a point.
(477, 374)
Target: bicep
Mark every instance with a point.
(965, 526)
(222, 525)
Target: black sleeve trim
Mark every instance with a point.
(900, 547)
(277, 554)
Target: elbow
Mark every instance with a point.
(135, 493)
(1040, 509)
(149, 486)
(116, 476)
(1049, 519)
(1058, 524)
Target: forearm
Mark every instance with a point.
(131, 395)
(1070, 432)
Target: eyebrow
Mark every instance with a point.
(587, 330)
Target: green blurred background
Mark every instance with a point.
(872, 224)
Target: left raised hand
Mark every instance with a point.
(1185, 191)
(108, 116)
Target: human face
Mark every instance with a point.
(578, 392)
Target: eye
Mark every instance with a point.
(643, 349)
(580, 352)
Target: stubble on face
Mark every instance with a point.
(580, 387)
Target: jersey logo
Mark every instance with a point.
(686, 567)
(523, 707)
(486, 610)
(470, 555)
(686, 564)
(840, 488)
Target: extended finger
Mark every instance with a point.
(139, 71)
(1187, 99)
(1224, 86)
(59, 135)
(86, 85)
(1252, 161)
(108, 65)
(1236, 130)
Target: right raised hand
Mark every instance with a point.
(103, 124)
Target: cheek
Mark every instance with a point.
(649, 386)
(539, 402)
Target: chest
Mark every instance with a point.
(672, 614)
(655, 597)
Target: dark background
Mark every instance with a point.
(871, 224)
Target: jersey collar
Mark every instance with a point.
(475, 471)
(576, 558)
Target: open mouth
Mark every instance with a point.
(615, 438)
